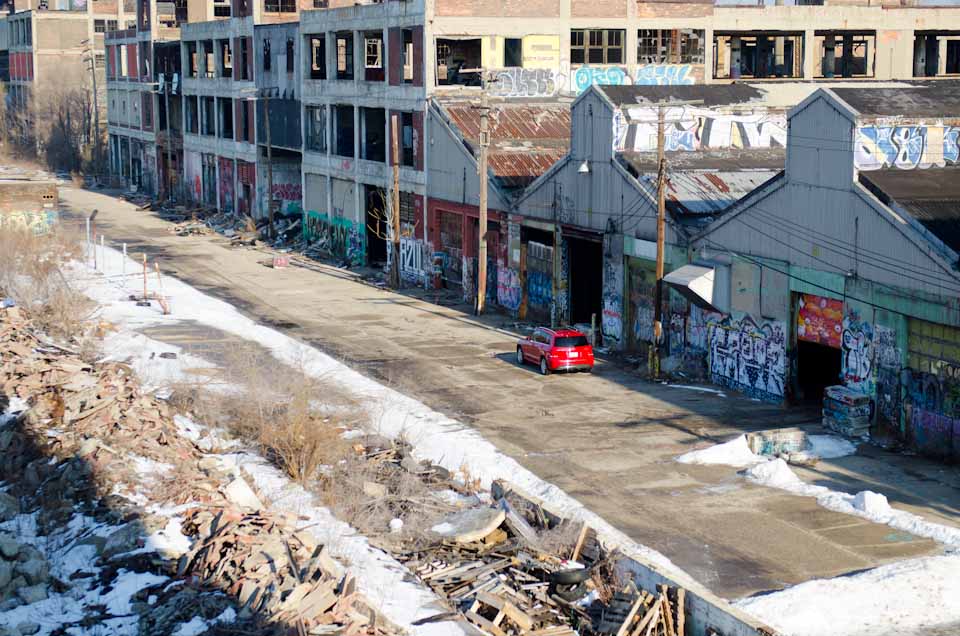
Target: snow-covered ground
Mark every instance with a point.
(446, 442)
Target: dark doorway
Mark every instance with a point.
(586, 279)
(818, 366)
(376, 220)
(512, 52)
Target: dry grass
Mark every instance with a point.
(32, 273)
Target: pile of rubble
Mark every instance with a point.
(92, 443)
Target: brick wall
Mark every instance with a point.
(598, 8)
(673, 9)
(27, 196)
(395, 53)
(499, 8)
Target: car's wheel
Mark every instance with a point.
(588, 370)
(544, 367)
(520, 359)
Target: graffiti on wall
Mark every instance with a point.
(587, 76)
(932, 409)
(225, 184)
(337, 236)
(192, 172)
(664, 75)
(856, 365)
(412, 259)
(611, 321)
(526, 82)
(906, 147)
(820, 320)
(508, 288)
(35, 221)
(749, 357)
(887, 360)
(642, 283)
(698, 128)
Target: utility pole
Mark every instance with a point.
(395, 202)
(167, 79)
(266, 119)
(654, 356)
(482, 168)
(91, 50)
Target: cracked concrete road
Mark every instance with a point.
(608, 439)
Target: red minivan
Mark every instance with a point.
(556, 350)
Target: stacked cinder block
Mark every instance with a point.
(846, 411)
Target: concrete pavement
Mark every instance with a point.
(608, 439)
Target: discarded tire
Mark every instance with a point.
(569, 593)
(569, 577)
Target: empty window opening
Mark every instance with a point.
(670, 46)
(192, 62)
(226, 58)
(343, 130)
(209, 67)
(458, 62)
(280, 6)
(596, 46)
(373, 56)
(316, 128)
(373, 122)
(209, 116)
(221, 8)
(406, 52)
(758, 55)
(512, 52)
(193, 115)
(846, 54)
(290, 56)
(226, 117)
(318, 57)
(345, 56)
(407, 151)
(266, 55)
(245, 58)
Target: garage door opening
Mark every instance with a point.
(586, 279)
(819, 327)
(818, 366)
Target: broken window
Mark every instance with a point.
(280, 6)
(266, 55)
(457, 61)
(226, 117)
(596, 46)
(374, 49)
(927, 50)
(318, 57)
(316, 128)
(345, 56)
(226, 58)
(209, 66)
(192, 64)
(290, 56)
(758, 55)
(343, 130)
(670, 46)
(373, 121)
(408, 213)
(845, 54)
(407, 54)
(407, 154)
(99, 26)
(221, 8)
(512, 52)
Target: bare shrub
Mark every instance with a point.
(32, 272)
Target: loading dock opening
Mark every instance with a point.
(586, 279)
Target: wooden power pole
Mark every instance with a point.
(484, 143)
(395, 235)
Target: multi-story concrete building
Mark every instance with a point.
(363, 68)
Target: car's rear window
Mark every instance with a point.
(570, 341)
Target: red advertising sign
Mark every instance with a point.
(820, 320)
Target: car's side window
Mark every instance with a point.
(541, 337)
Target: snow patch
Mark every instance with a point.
(829, 446)
(736, 452)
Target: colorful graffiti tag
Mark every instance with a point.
(337, 236)
(932, 410)
(611, 321)
(38, 222)
(820, 320)
(411, 260)
(526, 82)
(226, 185)
(887, 361)
(749, 357)
(857, 362)
(664, 75)
(635, 129)
(587, 76)
(906, 147)
(508, 288)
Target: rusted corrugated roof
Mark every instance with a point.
(525, 140)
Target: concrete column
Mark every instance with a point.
(708, 56)
(356, 133)
(735, 57)
(829, 55)
(941, 56)
(359, 56)
(809, 54)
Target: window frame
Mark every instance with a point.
(582, 41)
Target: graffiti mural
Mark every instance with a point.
(587, 76)
(337, 236)
(664, 75)
(932, 410)
(749, 357)
(906, 147)
(36, 221)
(411, 260)
(508, 288)
(698, 128)
(611, 321)
(642, 282)
(192, 172)
(857, 362)
(226, 185)
(820, 320)
(887, 360)
(526, 82)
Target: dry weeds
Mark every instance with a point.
(32, 273)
